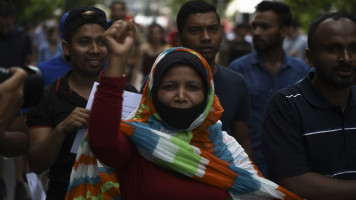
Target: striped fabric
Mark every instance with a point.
(227, 166)
(90, 179)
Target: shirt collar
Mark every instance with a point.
(257, 60)
(315, 97)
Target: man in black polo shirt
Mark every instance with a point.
(310, 127)
(54, 122)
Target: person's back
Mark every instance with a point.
(268, 68)
(54, 68)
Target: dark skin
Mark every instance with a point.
(335, 46)
(13, 137)
(268, 36)
(203, 33)
(88, 56)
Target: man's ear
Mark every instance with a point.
(66, 50)
(178, 39)
(284, 31)
(308, 54)
(66, 47)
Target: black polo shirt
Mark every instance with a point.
(57, 102)
(303, 132)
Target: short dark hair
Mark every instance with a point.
(281, 9)
(6, 10)
(314, 25)
(193, 7)
(123, 4)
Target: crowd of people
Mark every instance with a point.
(267, 112)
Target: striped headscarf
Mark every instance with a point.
(226, 165)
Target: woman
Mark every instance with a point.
(155, 45)
(173, 146)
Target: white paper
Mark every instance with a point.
(35, 186)
(130, 102)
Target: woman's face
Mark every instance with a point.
(156, 34)
(181, 87)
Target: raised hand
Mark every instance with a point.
(120, 37)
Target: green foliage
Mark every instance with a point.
(219, 4)
(306, 10)
(33, 11)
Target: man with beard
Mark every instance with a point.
(54, 122)
(310, 128)
(199, 29)
(268, 68)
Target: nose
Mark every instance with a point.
(180, 95)
(346, 57)
(205, 35)
(256, 30)
(95, 48)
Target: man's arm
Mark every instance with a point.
(45, 142)
(239, 130)
(15, 139)
(317, 186)
(11, 97)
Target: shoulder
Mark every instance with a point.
(47, 64)
(228, 80)
(353, 94)
(297, 64)
(243, 61)
(286, 96)
(228, 74)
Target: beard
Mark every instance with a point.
(333, 78)
(261, 45)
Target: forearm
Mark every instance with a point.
(43, 153)
(312, 185)
(14, 143)
(115, 66)
(105, 117)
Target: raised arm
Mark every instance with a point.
(119, 39)
(104, 138)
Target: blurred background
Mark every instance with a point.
(32, 12)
